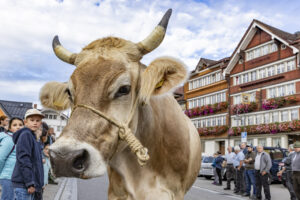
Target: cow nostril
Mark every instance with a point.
(80, 160)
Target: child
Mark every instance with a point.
(8, 158)
(46, 161)
(28, 175)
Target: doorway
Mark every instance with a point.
(222, 147)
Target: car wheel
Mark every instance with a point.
(208, 177)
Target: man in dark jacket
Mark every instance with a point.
(288, 170)
(250, 173)
(219, 161)
(28, 175)
(296, 169)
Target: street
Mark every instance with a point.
(96, 189)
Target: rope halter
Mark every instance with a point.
(124, 133)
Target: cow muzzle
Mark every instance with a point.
(69, 163)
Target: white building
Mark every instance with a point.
(55, 120)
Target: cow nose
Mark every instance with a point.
(69, 163)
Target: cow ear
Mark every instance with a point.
(53, 95)
(161, 76)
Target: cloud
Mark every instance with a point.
(197, 29)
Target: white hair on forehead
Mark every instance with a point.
(237, 148)
(260, 146)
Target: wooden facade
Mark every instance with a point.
(265, 67)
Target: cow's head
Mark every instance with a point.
(110, 78)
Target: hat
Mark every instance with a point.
(32, 112)
(297, 144)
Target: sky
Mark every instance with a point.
(197, 29)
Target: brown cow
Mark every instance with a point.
(112, 96)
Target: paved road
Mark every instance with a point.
(96, 189)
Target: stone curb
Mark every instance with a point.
(67, 190)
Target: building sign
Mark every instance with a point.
(245, 98)
(244, 137)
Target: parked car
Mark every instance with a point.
(206, 169)
(277, 154)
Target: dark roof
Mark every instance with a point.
(210, 63)
(290, 38)
(15, 108)
(178, 94)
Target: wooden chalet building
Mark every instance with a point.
(265, 69)
(206, 96)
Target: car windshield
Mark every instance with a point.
(275, 154)
(208, 159)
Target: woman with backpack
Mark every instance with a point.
(8, 158)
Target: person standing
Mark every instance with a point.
(288, 170)
(249, 171)
(3, 123)
(296, 169)
(262, 165)
(216, 180)
(8, 158)
(239, 161)
(219, 162)
(229, 159)
(28, 174)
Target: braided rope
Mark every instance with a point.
(124, 133)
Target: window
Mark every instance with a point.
(256, 53)
(284, 116)
(250, 141)
(281, 91)
(291, 89)
(275, 117)
(245, 78)
(291, 65)
(50, 116)
(274, 47)
(224, 120)
(282, 67)
(266, 118)
(294, 114)
(237, 99)
(237, 80)
(276, 142)
(46, 116)
(237, 142)
(262, 73)
(250, 120)
(262, 141)
(54, 117)
(253, 76)
(271, 92)
(265, 50)
(58, 128)
(258, 119)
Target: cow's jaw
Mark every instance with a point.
(62, 159)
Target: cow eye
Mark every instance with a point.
(123, 90)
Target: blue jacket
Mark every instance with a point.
(29, 166)
(219, 161)
(7, 155)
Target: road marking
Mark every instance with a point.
(220, 193)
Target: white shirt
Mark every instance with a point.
(257, 161)
(230, 157)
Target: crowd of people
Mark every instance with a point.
(249, 168)
(24, 156)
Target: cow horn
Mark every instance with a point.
(156, 36)
(63, 53)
